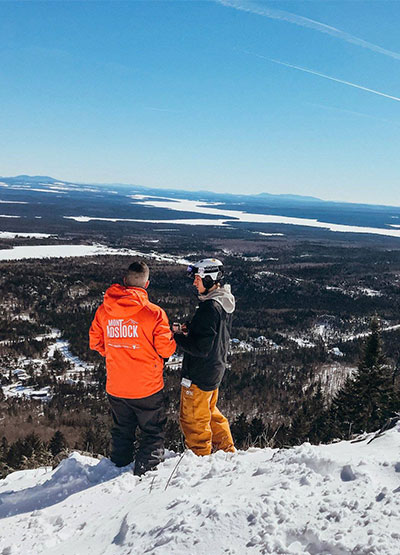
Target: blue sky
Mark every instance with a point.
(196, 95)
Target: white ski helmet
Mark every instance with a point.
(211, 270)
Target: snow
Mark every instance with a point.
(65, 251)
(13, 202)
(330, 499)
(321, 330)
(269, 234)
(50, 190)
(209, 208)
(367, 333)
(198, 221)
(302, 342)
(78, 366)
(13, 235)
(61, 187)
(55, 251)
(370, 292)
(337, 352)
(355, 292)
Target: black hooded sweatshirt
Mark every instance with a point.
(206, 345)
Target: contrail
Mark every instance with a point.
(281, 15)
(351, 112)
(325, 76)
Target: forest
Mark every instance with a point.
(302, 330)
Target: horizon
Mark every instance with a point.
(294, 98)
(199, 191)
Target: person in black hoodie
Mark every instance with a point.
(205, 343)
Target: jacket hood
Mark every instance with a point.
(124, 301)
(223, 296)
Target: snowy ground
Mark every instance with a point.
(335, 500)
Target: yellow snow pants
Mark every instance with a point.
(204, 427)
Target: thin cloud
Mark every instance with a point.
(305, 70)
(168, 110)
(336, 80)
(281, 15)
(352, 113)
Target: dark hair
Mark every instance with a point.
(137, 274)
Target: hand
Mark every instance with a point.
(184, 329)
(176, 328)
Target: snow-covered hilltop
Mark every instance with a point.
(331, 499)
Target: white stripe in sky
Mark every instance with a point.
(253, 7)
(305, 70)
(334, 79)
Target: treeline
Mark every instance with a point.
(274, 297)
(81, 417)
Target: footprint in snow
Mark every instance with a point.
(121, 536)
(347, 474)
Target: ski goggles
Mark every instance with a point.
(192, 271)
(211, 271)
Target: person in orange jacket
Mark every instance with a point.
(134, 336)
(205, 344)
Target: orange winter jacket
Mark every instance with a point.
(134, 336)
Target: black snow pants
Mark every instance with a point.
(149, 415)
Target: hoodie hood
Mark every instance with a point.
(123, 301)
(223, 296)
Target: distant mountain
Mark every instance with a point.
(30, 179)
(45, 179)
(291, 197)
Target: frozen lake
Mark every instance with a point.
(226, 217)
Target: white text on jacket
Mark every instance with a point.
(120, 328)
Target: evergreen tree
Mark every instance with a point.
(96, 438)
(368, 398)
(3, 448)
(57, 443)
(308, 422)
(257, 431)
(241, 431)
(89, 440)
(15, 454)
(317, 412)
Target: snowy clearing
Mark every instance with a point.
(332, 499)
(14, 234)
(66, 251)
(269, 234)
(58, 251)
